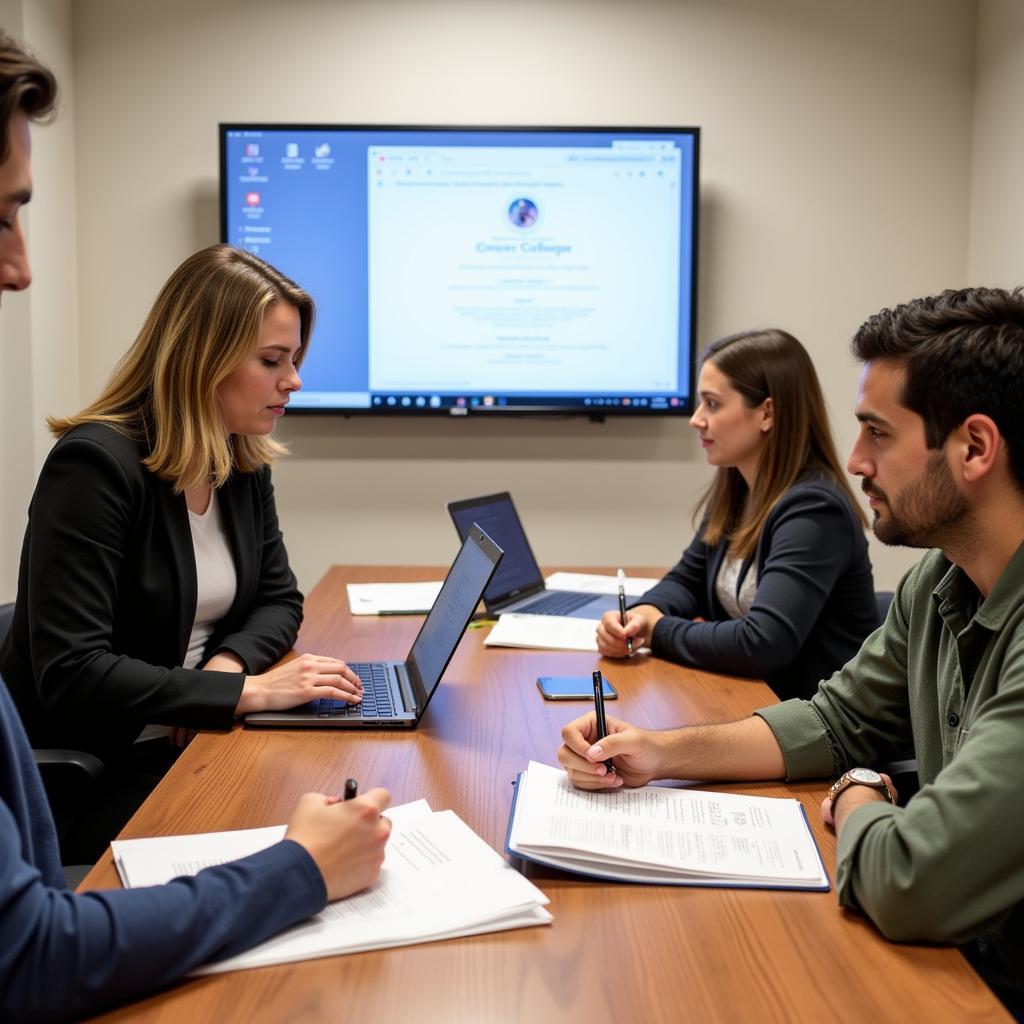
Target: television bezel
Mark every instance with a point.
(686, 404)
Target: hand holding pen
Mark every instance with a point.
(622, 607)
(345, 834)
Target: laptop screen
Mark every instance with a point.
(495, 514)
(451, 612)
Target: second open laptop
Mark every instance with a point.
(395, 694)
(518, 585)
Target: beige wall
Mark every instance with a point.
(997, 173)
(836, 179)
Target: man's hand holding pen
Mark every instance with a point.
(639, 755)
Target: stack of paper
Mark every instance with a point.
(552, 632)
(392, 598)
(440, 880)
(664, 836)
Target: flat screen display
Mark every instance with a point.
(478, 270)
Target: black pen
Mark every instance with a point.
(351, 788)
(622, 608)
(602, 728)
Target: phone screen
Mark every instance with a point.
(573, 688)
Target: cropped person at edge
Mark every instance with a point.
(65, 956)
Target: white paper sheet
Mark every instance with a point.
(548, 632)
(586, 583)
(392, 598)
(156, 860)
(439, 880)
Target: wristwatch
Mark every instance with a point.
(857, 777)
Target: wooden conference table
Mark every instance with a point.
(614, 952)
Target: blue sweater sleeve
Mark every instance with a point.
(806, 545)
(64, 955)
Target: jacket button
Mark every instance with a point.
(954, 720)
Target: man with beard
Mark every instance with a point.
(941, 454)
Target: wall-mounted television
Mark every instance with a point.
(478, 270)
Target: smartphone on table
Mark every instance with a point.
(573, 688)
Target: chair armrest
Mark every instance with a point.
(81, 760)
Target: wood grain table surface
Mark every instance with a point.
(614, 952)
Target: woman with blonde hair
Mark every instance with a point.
(154, 587)
(777, 583)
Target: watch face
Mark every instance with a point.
(865, 775)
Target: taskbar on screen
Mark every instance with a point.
(459, 405)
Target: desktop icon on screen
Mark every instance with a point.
(291, 150)
(252, 199)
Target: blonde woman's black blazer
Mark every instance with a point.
(107, 597)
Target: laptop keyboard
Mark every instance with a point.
(556, 602)
(376, 702)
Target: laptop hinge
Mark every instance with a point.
(521, 594)
(408, 697)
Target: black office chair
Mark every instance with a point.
(69, 776)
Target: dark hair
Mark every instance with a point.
(759, 365)
(25, 85)
(963, 353)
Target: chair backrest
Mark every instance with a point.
(883, 598)
(6, 618)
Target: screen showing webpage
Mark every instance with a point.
(455, 270)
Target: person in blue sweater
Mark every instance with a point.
(777, 583)
(64, 956)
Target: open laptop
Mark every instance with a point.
(518, 585)
(395, 694)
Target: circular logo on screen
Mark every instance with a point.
(523, 212)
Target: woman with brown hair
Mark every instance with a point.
(777, 583)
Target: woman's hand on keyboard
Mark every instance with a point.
(305, 678)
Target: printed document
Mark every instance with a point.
(440, 880)
(664, 836)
